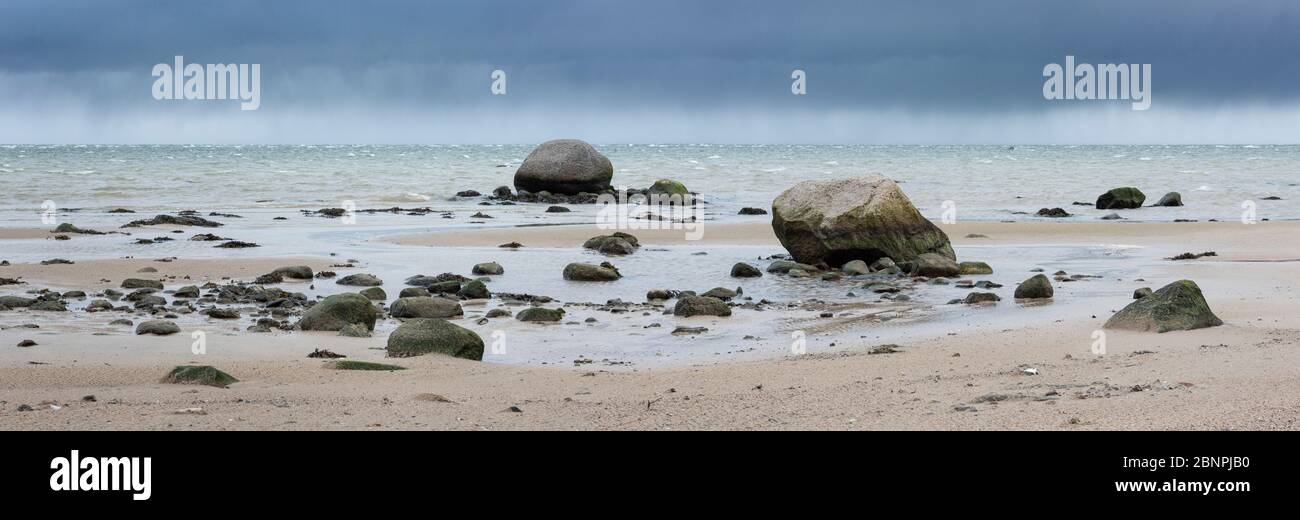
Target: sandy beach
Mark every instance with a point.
(948, 371)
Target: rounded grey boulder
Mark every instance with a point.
(422, 336)
(688, 306)
(566, 166)
(338, 311)
(1037, 286)
(488, 268)
(744, 270)
(540, 314)
(361, 280)
(425, 307)
(157, 327)
(590, 273)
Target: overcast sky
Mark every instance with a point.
(650, 71)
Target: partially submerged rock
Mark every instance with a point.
(1177, 306)
(360, 280)
(974, 268)
(474, 290)
(182, 220)
(688, 306)
(540, 314)
(488, 269)
(934, 265)
(1170, 199)
(374, 294)
(591, 273)
(744, 270)
(422, 307)
(861, 218)
(667, 187)
(1121, 198)
(199, 375)
(565, 166)
(434, 336)
(1036, 287)
(981, 297)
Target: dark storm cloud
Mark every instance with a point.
(956, 58)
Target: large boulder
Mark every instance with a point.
(425, 307)
(566, 166)
(1121, 198)
(434, 336)
(338, 311)
(861, 218)
(1177, 306)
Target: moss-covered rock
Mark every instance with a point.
(1177, 306)
(360, 280)
(422, 307)
(295, 272)
(934, 265)
(14, 302)
(374, 294)
(974, 268)
(137, 283)
(976, 298)
(488, 269)
(474, 290)
(361, 365)
(540, 314)
(157, 328)
(744, 270)
(784, 267)
(337, 311)
(688, 306)
(668, 187)
(580, 272)
(413, 292)
(199, 375)
(1036, 287)
(1142, 292)
(1121, 198)
(434, 336)
(861, 218)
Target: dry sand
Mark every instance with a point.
(1242, 375)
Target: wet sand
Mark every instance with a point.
(968, 375)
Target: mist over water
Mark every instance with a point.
(984, 182)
